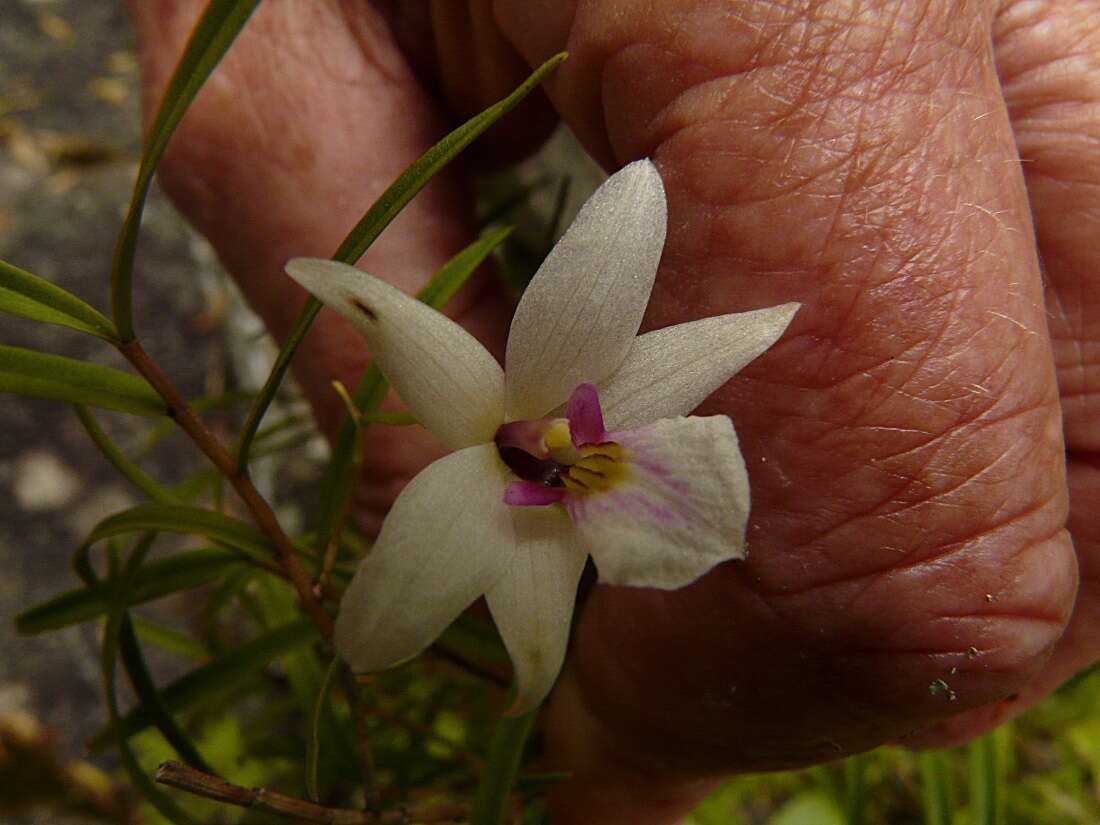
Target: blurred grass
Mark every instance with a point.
(1047, 772)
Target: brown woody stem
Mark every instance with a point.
(185, 417)
(207, 785)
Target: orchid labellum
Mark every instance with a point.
(579, 446)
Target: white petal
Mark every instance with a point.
(584, 306)
(446, 540)
(447, 379)
(671, 371)
(532, 604)
(680, 511)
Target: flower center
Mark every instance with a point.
(555, 457)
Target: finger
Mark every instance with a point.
(903, 442)
(477, 67)
(310, 116)
(1047, 61)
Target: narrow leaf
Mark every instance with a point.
(126, 468)
(216, 678)
(176, 518)
(30, 296)
(169, 639)
(117, 616)
(313, 744)
(142, 681)
(377, 218)
(215, 31)
(154, 580)
(40, 375)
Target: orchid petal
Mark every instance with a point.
(445, 377)
(671, 371)
(532, 604)
(447, 538)
(680, 509)
(583, 308)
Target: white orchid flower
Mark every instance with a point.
(578, 447)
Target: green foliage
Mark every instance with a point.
(215, 31)
(58, 378)
(29, 296)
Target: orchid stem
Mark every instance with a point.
(505, 756)
(189, 422)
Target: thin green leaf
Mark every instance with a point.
(377, 218)
(177, 518)
(215, 31)
(313, 744)
(855, 789)
(30, 296)
(936, 788)
(339, 476)
(133, 660)
(126, 468)
(169, 639)
(41, 375)
(117, 616)
(504, 758)
(216, 678)
(986, 788)
(158, 578)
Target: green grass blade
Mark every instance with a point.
(126, 468)
(216, 678)
(30, 296)
(176, 518)
(133, 660)
(505, 756)
(986, 782)
(339, 475)
(158, 578)
(377, 218)
(38, 374)
(216, 29)
(313, 743)
(936, 788)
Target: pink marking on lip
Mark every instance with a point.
(524, 493)
(585, 416)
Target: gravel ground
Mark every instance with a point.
(69, 143)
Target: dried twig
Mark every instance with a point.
(213, 787)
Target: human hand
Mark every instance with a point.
(904, 441)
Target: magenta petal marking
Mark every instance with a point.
(585, 416)
(532, 494)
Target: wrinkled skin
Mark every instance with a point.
(906, 442)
